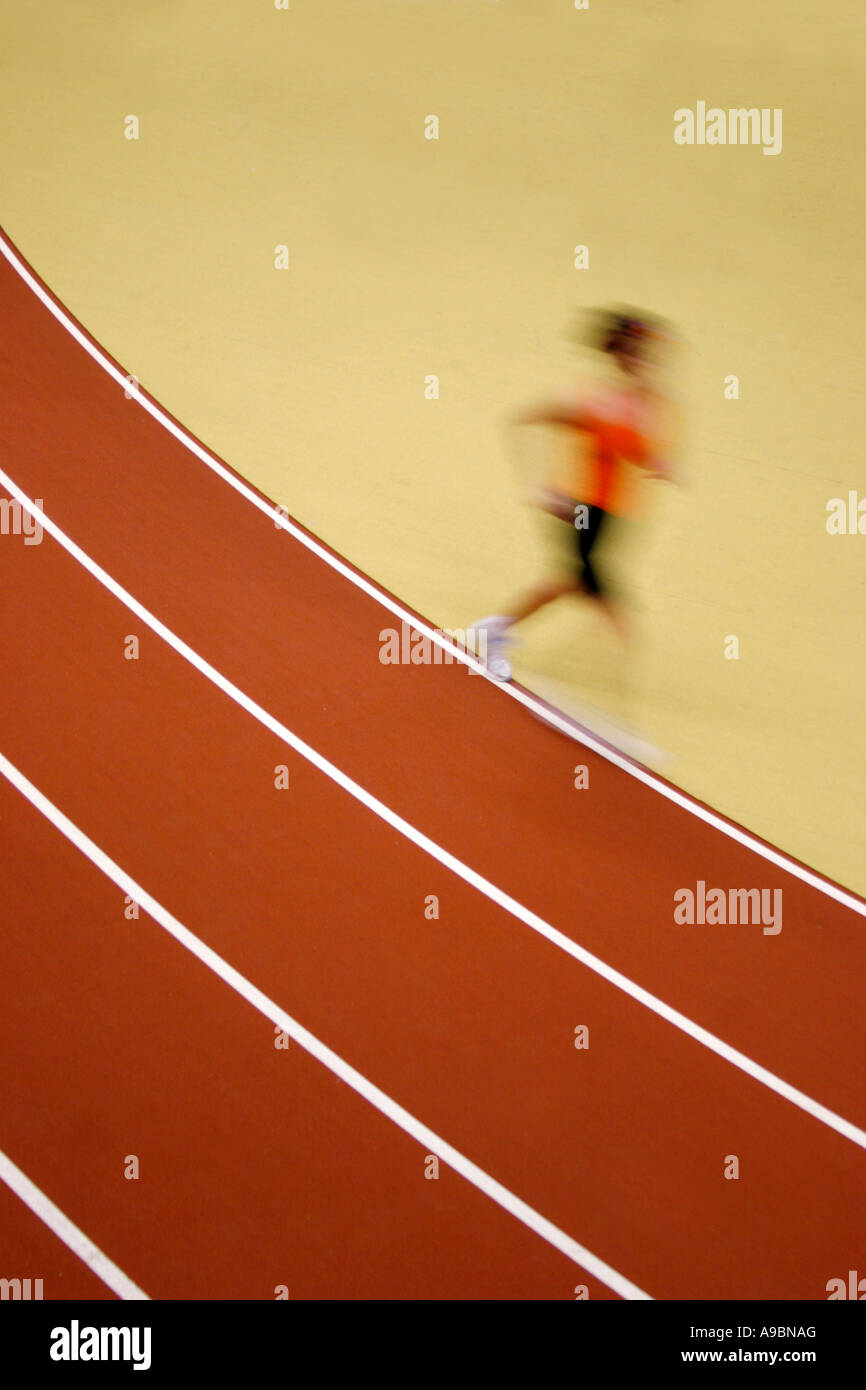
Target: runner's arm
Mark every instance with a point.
(551, 413)
(567, 410)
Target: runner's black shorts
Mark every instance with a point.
(588, 523)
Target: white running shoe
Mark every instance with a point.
(488, 640)
(499, 668)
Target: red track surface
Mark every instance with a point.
(259, 1167)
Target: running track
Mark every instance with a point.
(304, 909)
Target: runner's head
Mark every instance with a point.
(627, 337)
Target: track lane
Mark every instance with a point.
(257, 1167)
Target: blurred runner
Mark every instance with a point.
(622, 425)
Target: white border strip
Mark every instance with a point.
(382, 1102)
(443, 856)
(80, 1244)
(524, 697)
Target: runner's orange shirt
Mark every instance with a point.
(613, 441)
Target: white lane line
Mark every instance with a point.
(80, 1244)
(382, 1102)
(514, 692)
(443, 856)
